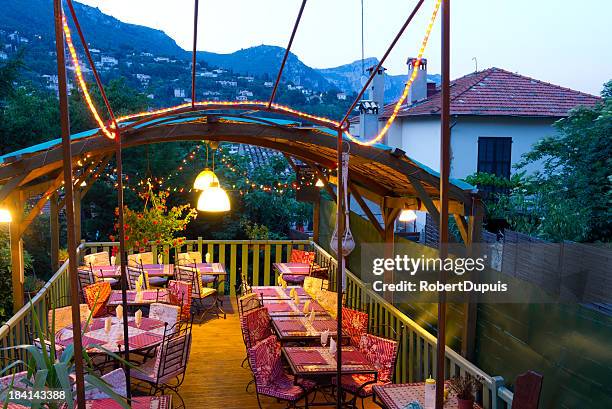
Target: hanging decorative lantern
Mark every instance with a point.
(205, 179)
(407, 216)
(319, 183)
(213, 199)
(348, 242)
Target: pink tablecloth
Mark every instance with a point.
(293, 268)
(397, 396)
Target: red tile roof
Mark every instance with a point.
(498, 92)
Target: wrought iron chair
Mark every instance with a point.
(300, 256)
(271, 379)
(167, 313)
(249, 302)
(190, 260)
(114, 379)
(167, 369)
(355, 324)
(134, 272)
(141, 259)
(199, 293)
(86, 277)
(180, 294)
(381, 353)
(527, 388)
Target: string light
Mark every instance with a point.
(81, 81)
(404, 95)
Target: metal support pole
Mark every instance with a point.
(282, 67)
(123, 257)
(444, 186)
(340, 269)
(67, 169)
(193, 57)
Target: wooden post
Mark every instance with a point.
(389, 216)
(470, 310)
(77, 214)
(17, 276)
(316, 219)
(54, 227)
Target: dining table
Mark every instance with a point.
(143, 336)
(309, 362)
(138, 402)
(153, 270)
(398, 396)
(294, 329)
(271, 292)
(147, 297)
(289, 308)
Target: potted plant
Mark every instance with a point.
(465, 387)
(31, 286)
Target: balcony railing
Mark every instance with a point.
(254, 258)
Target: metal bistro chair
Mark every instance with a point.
(355, 324)
(147, 258)
(167, 369)
(179, 293)
(256, 327)
(134, 272)
(200, 293)
(382, 353)
(86, 277)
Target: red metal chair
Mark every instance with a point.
(299, 256)
(527, 388)
(382, 354)
(96, 296)
(256, 326)
(180, 294)
(355, 324)
(270, 377)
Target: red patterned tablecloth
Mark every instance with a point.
(288, 307)
(397, 396)
(296, 358)
(293, 268)
(149, 334)
(269, 292)
(154, 270)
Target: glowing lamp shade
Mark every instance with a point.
(205, 179)
(319, 183)
(407, 215)
(5, 216)
(213, 199)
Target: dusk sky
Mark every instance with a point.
(560, 41)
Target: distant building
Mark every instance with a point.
(146, 54)
(247, 79)
(108, 60)
(211, 93)
(218, 71)
(208, 74)
(246, 93)
(143, 78)
(341, 96)
(161, 59)
(224, 83)
(268, 84)
(151, 96)
(241, 98)
(3, 55)
(179, 93)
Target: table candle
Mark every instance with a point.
(332, 346)
(119, 313)
(108, 324)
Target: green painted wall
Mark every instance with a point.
(571, 345)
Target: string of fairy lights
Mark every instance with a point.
(262, 105)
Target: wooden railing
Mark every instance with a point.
(417, 360)
(19, 328)
(254, 258)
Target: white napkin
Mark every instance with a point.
(311, 317)
(160, 259)
(113, 260)
(119, 313)
(306, 307)
(296, 298)
(292, 293)
(138, 318)
(279, 280)
(207, 257)
(108, 324)
(283, 283)
(324, 337)
(332, 346)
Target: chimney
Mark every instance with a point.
(376, 92)
(368, 119)
(418, 90)
(431, 89)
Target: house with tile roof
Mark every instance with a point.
(496, 117)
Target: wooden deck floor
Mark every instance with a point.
(214, 377)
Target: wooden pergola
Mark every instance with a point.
(379, 174)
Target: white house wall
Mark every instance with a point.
(420, 139)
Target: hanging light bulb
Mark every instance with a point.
(319, 183)
(213, 199)
(205, 179)
(5, 216)
(83, 184)
(407, 215)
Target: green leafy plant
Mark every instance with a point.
(156, 224)
(47, 371)
(32, 284)
(465, 387)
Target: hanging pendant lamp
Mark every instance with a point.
(206, 177)
(213, 199)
